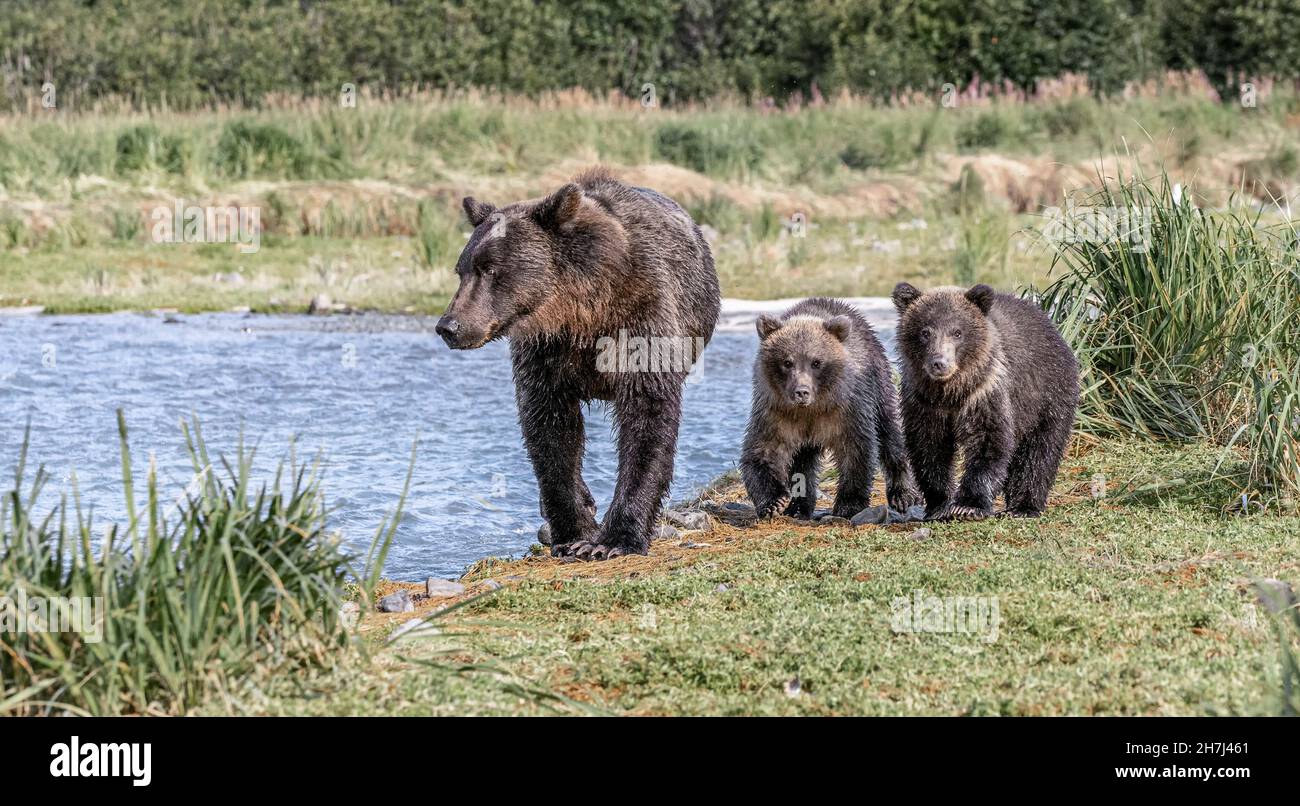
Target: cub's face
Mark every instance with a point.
(942, 331)
(802, 360)
(507, 269)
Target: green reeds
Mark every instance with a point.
(1187, 325)
(228, 581)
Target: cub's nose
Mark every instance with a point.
(940, 366)
(803, 395)
(448, 328)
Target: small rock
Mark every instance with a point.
(793, 687)
(490, 584)
(691, 544)
(690, 521)
(916, 512)
(399, 602)
(876, 515)
(722, 588)
(1275, 595)
(320, 304)
(738, 507)
(171, 319)
(818, 514)
(544, 534)
(834, 520)
(666, 532)
(349, 613)
(442, 588)
(924, 533)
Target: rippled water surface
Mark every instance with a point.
(355, 390)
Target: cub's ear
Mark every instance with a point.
(476, 211)
(905, 294)
(839, 326)
(767, 325)
(559, 208)
(982, 296)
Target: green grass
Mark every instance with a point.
(196, 599)
(1190, 333)
(1137, 603)
(373, 192)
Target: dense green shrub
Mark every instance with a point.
(206, 51)
(706, 149)
(261, 149)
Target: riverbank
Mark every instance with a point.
(1138, 602)
(840, 200)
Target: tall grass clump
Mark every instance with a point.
(1189, 329)
(716, 150)
(248, 149)
(191, 597)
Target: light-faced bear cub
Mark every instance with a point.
(822, 382)
(594, 263)
(987, 373)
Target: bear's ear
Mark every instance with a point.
(559, 208)
(767, 325)
(476, 211)
(982, 296)
(905, 294)
(839, 326)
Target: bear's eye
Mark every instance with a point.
(956, 334)
(788, 364)
(817, 363)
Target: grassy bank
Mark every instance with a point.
(1132, 595)
(1139, 602)
(362, 204)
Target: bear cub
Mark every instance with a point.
(988, 374)
(822, 382)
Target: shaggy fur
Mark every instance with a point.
(822, 381)
(556, 275)
(988, 374)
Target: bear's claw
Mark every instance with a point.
(591, 550)
(957, 512)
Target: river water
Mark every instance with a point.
(357, 391)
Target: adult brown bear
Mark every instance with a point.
(576, 281)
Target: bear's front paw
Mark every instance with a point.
(588, 550)
(959, 512)
(766, 509)
(904, 498)
(800, 508)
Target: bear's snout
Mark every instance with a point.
(802, 395)
(940, 367)
(449, 328)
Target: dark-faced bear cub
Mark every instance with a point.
(988, 374)
(822, 382)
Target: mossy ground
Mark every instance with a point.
(1135, 603)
